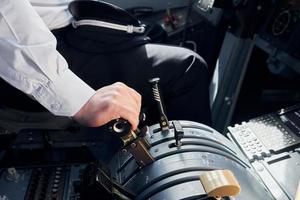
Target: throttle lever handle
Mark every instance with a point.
(119, 126)
(122, 128)
(133, 141)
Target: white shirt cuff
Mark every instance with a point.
(64, 96)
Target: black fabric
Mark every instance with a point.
(101, 40)
(100, 10)
(184, 78)
(110, 40)
(183, 73)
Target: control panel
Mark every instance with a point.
(268, 134)
(271, 143)
(41, 182)
(282, 27)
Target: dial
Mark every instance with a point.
(281, 23)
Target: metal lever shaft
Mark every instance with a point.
(163, 120)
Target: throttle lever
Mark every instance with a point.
(122, 128)
(133, 141)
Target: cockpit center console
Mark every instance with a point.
(169, 160)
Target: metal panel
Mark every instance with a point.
(228, 77)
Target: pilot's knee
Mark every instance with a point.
(195, 67)
(194, 60)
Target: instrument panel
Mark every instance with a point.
(285, 18)
(282, 27)
(285, 22)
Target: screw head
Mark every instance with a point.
(154, 80)
(133, 145)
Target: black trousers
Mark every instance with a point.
(184, 80)
(97, 59)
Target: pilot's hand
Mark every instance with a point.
(108, 103)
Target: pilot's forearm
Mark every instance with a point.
(29, 61)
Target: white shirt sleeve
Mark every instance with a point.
(29, 61)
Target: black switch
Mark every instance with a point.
(178, 132)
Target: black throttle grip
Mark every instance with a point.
(121, 126)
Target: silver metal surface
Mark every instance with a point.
(118, 27)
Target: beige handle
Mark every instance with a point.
(220, 183)
(298, 192)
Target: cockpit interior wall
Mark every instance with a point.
(154, 4)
